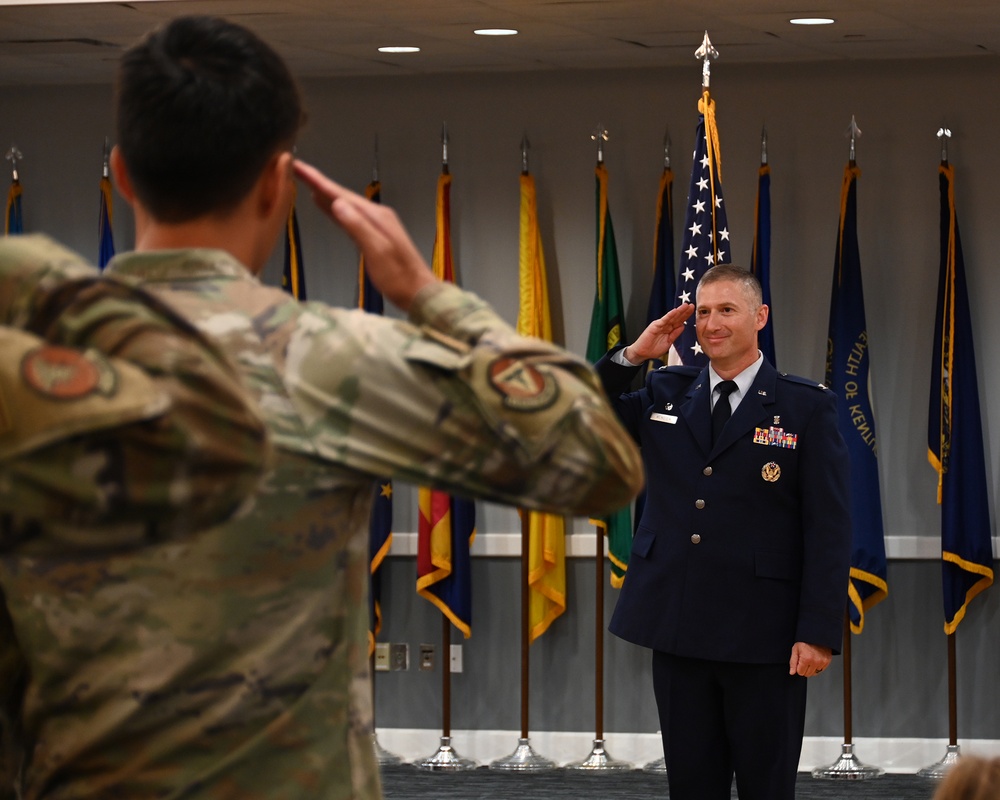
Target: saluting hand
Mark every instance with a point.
(655, 341)
(393, 262)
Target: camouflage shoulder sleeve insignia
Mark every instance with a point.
(49, 393)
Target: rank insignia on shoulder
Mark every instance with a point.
(522, 386)
(62, 373)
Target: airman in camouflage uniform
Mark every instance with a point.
(232, 662)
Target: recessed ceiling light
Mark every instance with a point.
(399, 49)
(812, 21)
(495, 32)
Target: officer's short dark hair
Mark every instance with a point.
(731, 272)
(202, 106)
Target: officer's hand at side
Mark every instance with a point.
(809, 659)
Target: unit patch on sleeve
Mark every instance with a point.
(522, 386)
(62, 373)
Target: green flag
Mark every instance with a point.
(607, 329)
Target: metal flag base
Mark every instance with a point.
(658, 766)
(523, 759)
(383, 756)
(599, 760)
(940, 769)
(847, 768)
(446, 759)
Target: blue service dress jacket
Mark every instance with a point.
(743, 548)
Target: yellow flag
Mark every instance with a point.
(546, 532)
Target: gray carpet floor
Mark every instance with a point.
(409, 783)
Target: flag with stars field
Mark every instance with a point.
(705, 241)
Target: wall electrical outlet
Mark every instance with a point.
(426, 657)
(456, 658)
(381, 656)
(399, 657)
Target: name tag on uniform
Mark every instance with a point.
(670, 419)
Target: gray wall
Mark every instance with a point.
(900, 660)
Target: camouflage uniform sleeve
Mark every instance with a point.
(458, 400)
(118, 420)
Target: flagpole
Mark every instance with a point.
(446, 758)
(847, 766)
(953, 752)
(599, 759)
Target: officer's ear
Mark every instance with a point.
(762, 314)
(120, 173)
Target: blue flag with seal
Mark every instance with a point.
(705, 242)
(955, 431)
(847, 374)
(105, 237)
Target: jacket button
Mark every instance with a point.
(695, 538)
(699, 503)
(707, 471)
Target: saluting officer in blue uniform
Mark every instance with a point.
(739, 569)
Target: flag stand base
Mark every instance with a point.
(940, 769)
(658, 766)
(523, 759)
(599, 760)
(446, 759)
(383, 756)
(847, 768)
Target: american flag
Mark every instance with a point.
(705, 242)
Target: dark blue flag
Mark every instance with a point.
(13, 221)
(380, 523)
(706, 234)
(847, 370)
(955, 431)
(105, 237)
(663, 294)
(293, 277)
(760, 261)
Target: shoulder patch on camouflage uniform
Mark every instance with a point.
(522, 386)
(65, 374)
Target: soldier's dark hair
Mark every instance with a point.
(202, 106)
(730, 272)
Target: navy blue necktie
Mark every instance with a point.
(722, 410)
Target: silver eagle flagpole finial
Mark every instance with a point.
(600, 135)
(854, 132)
(706, 53)
(944, 134)
(763, 145)
(105, 171)
(525, 144)
(666, 148)
(13, 156)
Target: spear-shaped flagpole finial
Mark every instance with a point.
(763, 145)
(13, 156)
(944, 134)
(854, 132)
(375, 162)
(706, 53)
(444, 146)
(600, 135)
(107, 154)
(525, 144)
(666, 148)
